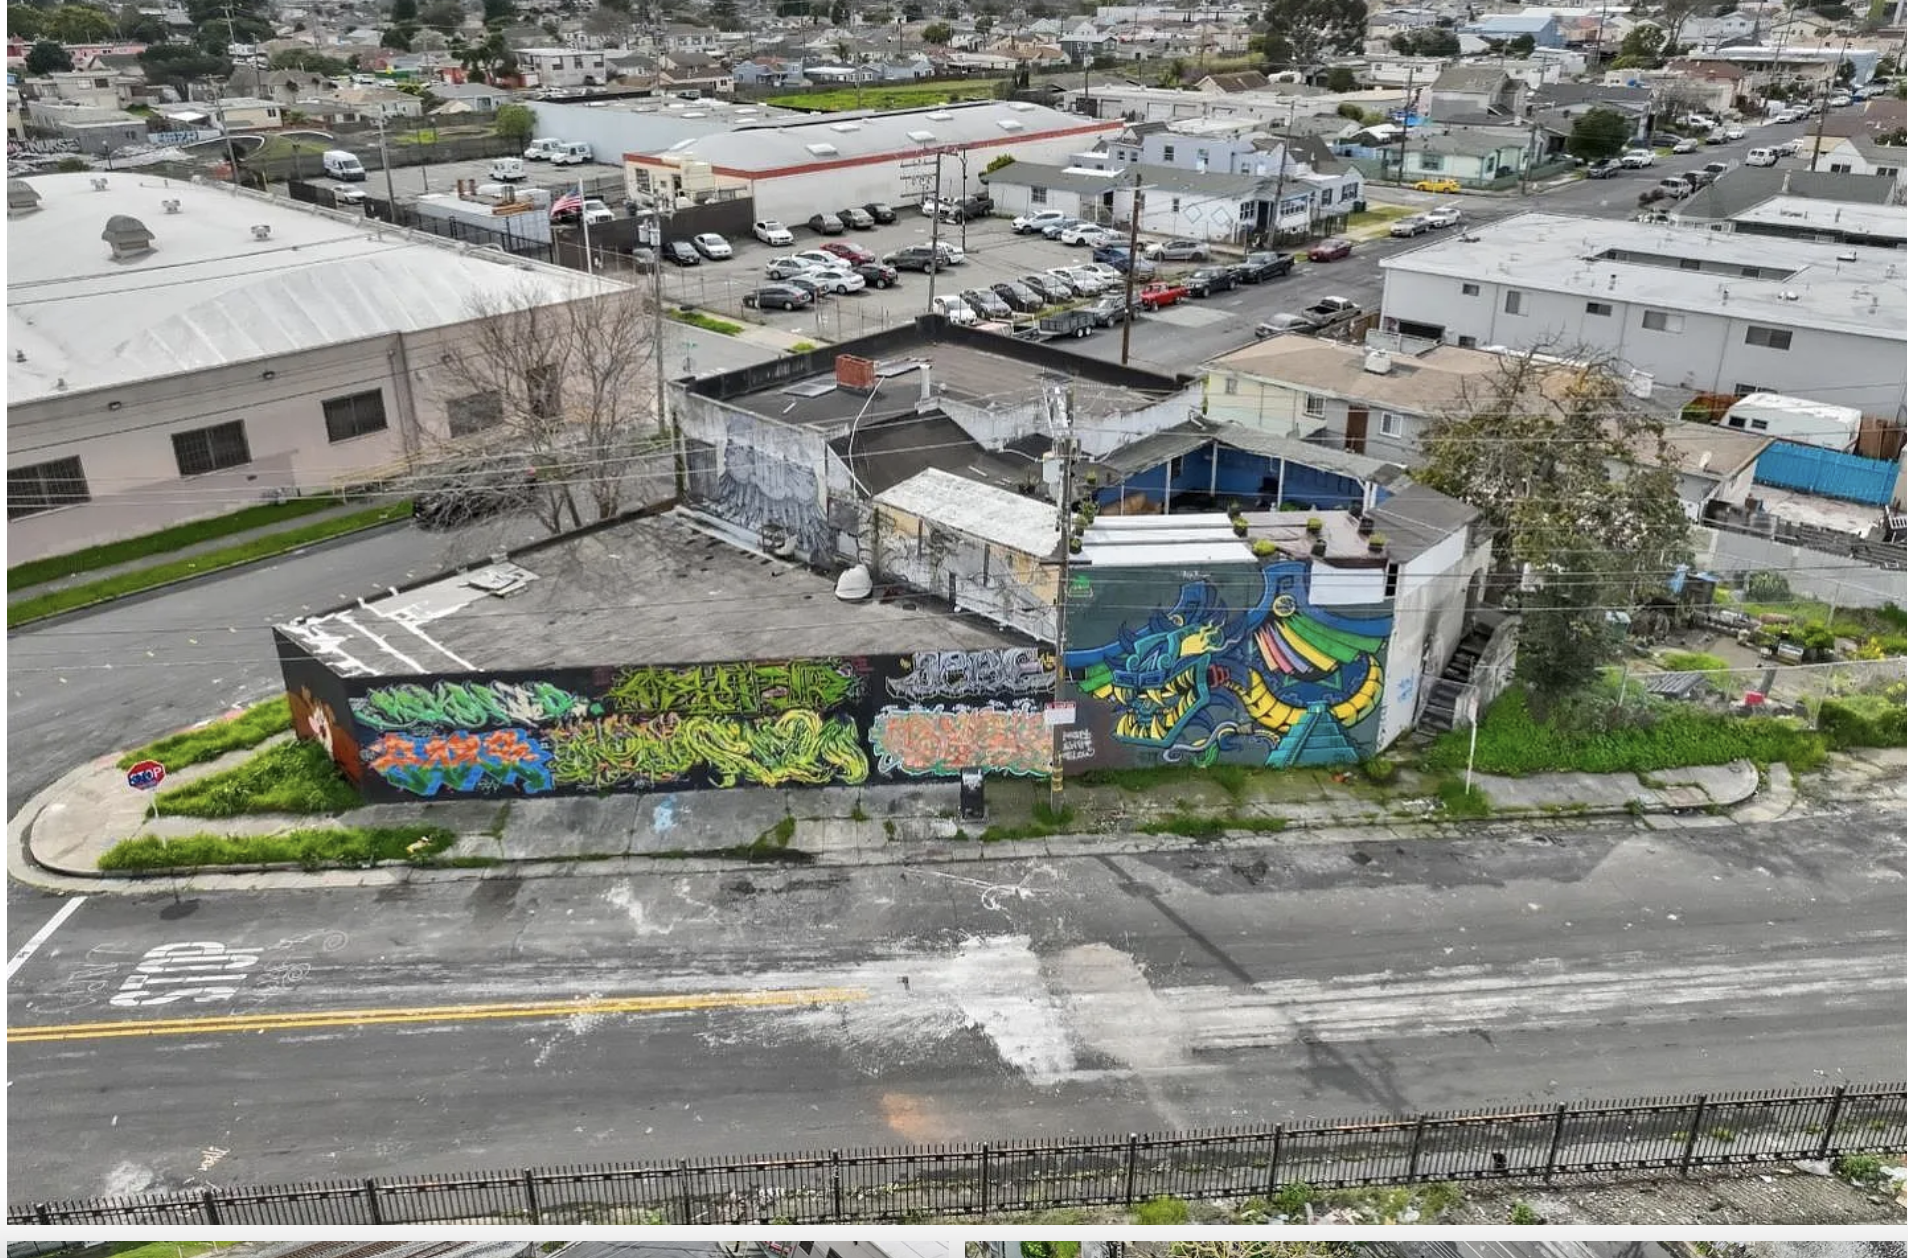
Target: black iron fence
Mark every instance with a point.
(912, 1184)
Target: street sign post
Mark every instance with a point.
(1469, 711)
(146, 776)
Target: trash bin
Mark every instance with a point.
(973, 795)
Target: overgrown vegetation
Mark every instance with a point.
(1161, 1212)
(1523, 1213)
(1045, 823)
(146, 545)
(1865, 720)
(54, 602)
(1049, 1249)
(1694, 662)
(1859, 1168)
(295, 777)
(196, 746)
(707, 322)
(910, 96)
(1588, 735)
(310, 849)
(1460, 803)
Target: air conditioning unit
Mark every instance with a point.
(261, 231)
(170, 206)
(99, 185)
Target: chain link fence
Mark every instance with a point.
(915, 1184)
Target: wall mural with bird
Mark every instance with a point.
(1241, 668)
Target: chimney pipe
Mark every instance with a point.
(927, 387)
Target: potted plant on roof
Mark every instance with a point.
(1365, 525)
(1377, 543)
(1314, 526)
(1262, 548)
(1239, 526)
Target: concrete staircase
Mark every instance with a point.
(1440, 706)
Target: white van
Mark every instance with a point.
(572, 153)
(1797, 419)
(541, 150)
(343, 164)
(507, 169)
(1761, 157)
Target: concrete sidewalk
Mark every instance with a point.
(59, 837)
(16, 594)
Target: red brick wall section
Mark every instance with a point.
(857, 374)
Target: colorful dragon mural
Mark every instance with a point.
(1280, 683)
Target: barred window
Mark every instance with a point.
(474, 413)
(1769, 338)
(354, 415)
(205, 450)
(44, 486)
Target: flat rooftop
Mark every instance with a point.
(211, 293)
(1791, 283)
(1881, 221)
(654, 590)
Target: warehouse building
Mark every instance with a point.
(794, 169)
(181, 350)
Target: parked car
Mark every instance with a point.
(878, 275)
(817, 257)
(1438, 185)
(946, 211)
(1682, 146)
(1085, 234)
(771, 232)
(1108, 275)
(681, 252)
(508, 169)
(987, 303)
(592, 211)
(783, 268)
(827, 224)
(838, 279)
(807, 282)
(1603, 168)
(1715, 170)
(778, 297)
(1841, 100)
(1444, 216)
(1259, 267)
(857, 218)
(1108, 311)
(953, 309)
(643, 259)
(1637, 159)
(1159, 296)
(848, 251)
(1208, 280)
(1282, 325)
(1732, 133)
(1761, 157)
(712, 246)
(1330, 250)
(1052, 230)
(1022, 299)
(572, 153)
(1411, 225)
(1038, 221)
(980, 205)
(1180, 250)
(541, 150)
(915, 258)
(1048, 287)
(880, 211)
(1082, 281)
(1676, 187)
(1115, 257)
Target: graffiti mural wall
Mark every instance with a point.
(1236, 666)
(830, 721)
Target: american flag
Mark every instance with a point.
(568, 201)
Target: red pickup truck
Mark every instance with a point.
(1153, 296)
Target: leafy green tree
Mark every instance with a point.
(1341, 79)
(179, 64)
(25, 21)
(1642, 46)
(1579, 488)
(398, 37)
(515, 123)
(310, 60)
(984, 24)
(1523, 45)
(1307, 31)
(838, 12)
(937, 33)
(912, 11)
(1597, 134)
(78, 24)
(250, 22)
(723, 17)
(403, 12)
(442, 15)
(499, 12)
(46, 56)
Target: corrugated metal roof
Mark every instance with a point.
(966, 506)
(211, 293)
(1326, 459)
(1151, 451)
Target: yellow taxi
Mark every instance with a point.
(1438, 185)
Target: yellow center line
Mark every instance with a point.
(318, 1018)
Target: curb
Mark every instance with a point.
(167, 587)
(925, 852)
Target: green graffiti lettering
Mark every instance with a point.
(799, 748)
(743, 689)
(465, 705)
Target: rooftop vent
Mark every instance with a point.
(99, 185)
(261, 231)
(940, 115)
(1846, 257)
(21, 196)
(844, 126)
(822, 150)
(1378, 363)
(127, 237)
(1020, 106)
(1009, 124)
(920, 137)
(171, 206)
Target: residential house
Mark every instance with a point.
(1083, 42)
(1240, 81)
(1477, 90)
(476, 98)
(286, 87)
(1474, 156)
(563, 67)
(1841, 208)
(767, 71)
(93, 131)
(248, 113)
(1861, 155)
(1541, 27)
(367, 104)
(91, 88)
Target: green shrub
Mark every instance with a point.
(708, 323)
(1521, 1212)
(1864, 721)
(1767, 587)
(1458, 802)
(1590, 737)
(196, 746)
(1291, 1199)
(290, 777)
(1161, 1212)
(1379, 771)
(1694, 662)
(313, 849)
(1859, 1168)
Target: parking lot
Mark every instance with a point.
(410, 182)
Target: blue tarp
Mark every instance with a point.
(1830, 473)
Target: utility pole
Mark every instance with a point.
(1132, 265)
(1063, 441)
(1828, 90)
(934, 236)
(384, 159)
(663, 422)
(1285, 155)
(1404, 125)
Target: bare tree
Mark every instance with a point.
(569, 388)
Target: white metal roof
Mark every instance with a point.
(210, 293)
(978, 510)
(895, 132)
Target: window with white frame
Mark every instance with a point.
(1037, 196)
(1513, 301)
(1662, 321)
(1390, 424)
(1315, 406)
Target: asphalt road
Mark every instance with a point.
(975, 1001)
